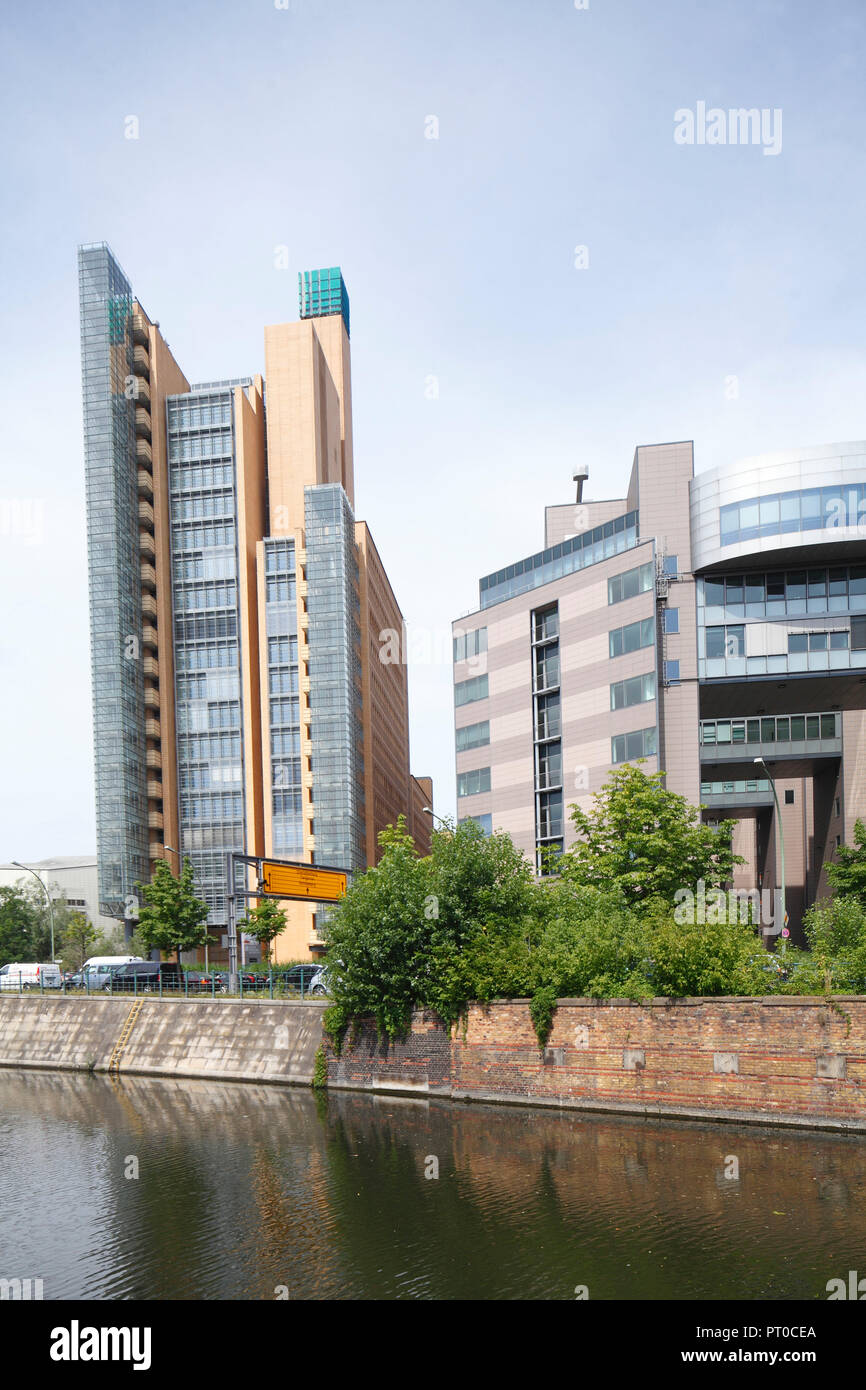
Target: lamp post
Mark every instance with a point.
(47, 896)
(428, 811)
(781, 843)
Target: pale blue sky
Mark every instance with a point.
(305, 127)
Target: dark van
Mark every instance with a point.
(143, 977)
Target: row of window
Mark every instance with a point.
(285, 712)
(210, 565)
(634, 691)
(208, 687)
(205, 627)
(200, 446)
(777, 591)
(473, 736)
(465, 692)
(630, 583)
(782, 728)
(201, 476)
(782, 513)
(200, 718)
(196, 417)
(577, 553)
(208, 748)
(282, 651)
(219, 806)
(202, 537)
(194, 778)
(280, 557)
(281, 590)
(639, 743)
(206, 596)
(468, 644)
(622, 640)
(474, 782)
(729, 641)
(203, 505)
(283, 682)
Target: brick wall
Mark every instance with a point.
(783, 1060)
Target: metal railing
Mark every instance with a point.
(276, 984)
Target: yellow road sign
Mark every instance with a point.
(302, 881)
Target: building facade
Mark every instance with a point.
(701, 623)
(240, 703)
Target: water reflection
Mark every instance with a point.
(242, 1189)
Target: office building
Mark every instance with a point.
(700, 623)
(240, 703)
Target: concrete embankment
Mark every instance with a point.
(226, 1040)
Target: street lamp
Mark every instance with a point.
(428, 810)
(781, 843)
(47, 895)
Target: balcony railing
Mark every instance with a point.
(141, 361)
(143, 453)
(152, 728)
(148, 605)
(148, 576)
(146, 545)
(142, 422)
(149, 636)
(145, 484)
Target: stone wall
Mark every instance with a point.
(223, 1039)
(783, 1060)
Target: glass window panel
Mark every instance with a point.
(714, 592)
(734, 589)
(753, 731)
(768, 731)
(796, 584)
(798, 728)
(838, 641)
(756, 589)
(798, 642)
(715, 642)
(817, 583)
(817, 641)
(813, 727)
(783, 730)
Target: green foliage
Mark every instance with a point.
(173, 918)
(704, 958)
(264, 922)
(594, 945)
(646, 840)
(79, 940)
(18, 922)
(836, 932)
(542, 1007)
(320, 1070)
(847, 875)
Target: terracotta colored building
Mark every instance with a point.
(241, 702)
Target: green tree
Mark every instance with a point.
(377, 937)
(646, 841)
(173, 918)
(79, 939)
(264, 922)
(18, 921)
(847, 874)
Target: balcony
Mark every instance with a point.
(140, 334)
(145, 511)
(148, 605)
(150, 636)
(150, 666)
(154, 789)
(151, 697)
(148, 577)
(146, 545)
(152, 729)
(142, 390)
(143, 453)
(145, 484)
(156, 849)
(155, 821)
(154, 759)
(142, 422)
(141, 361)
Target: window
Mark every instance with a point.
(789, 797)
(545, 624)
(474, 782)
(467, 644)
(549, 765)
(671, 566)
(547, 717)
(672, 673)
(729, 641)
(630, 583)
(465, 692)
(632, 637)
(640, 743)
(485, 821)
(671, 620)
(473, 736)
(546, 665)
(634, 691)
(858, 633)
(549, 815)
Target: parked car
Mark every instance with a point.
(306, 978)
(97, 969)
(144, 976)
(30, 975)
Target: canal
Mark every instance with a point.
(155, 1189)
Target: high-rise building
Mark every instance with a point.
(240, 699)
(701, 623)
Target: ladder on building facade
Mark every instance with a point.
(123, 1039)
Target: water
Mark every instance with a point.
(243, 1190)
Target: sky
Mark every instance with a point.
(542, 274)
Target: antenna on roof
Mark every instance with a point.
(580, 475)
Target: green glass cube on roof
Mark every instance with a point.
(322, 292)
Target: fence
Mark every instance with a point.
(276, 984)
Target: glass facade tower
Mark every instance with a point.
(204, 565)
(114, 563)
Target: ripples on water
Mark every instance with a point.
(242, 1189)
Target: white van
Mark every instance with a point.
(96, 972)
(30, 976)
